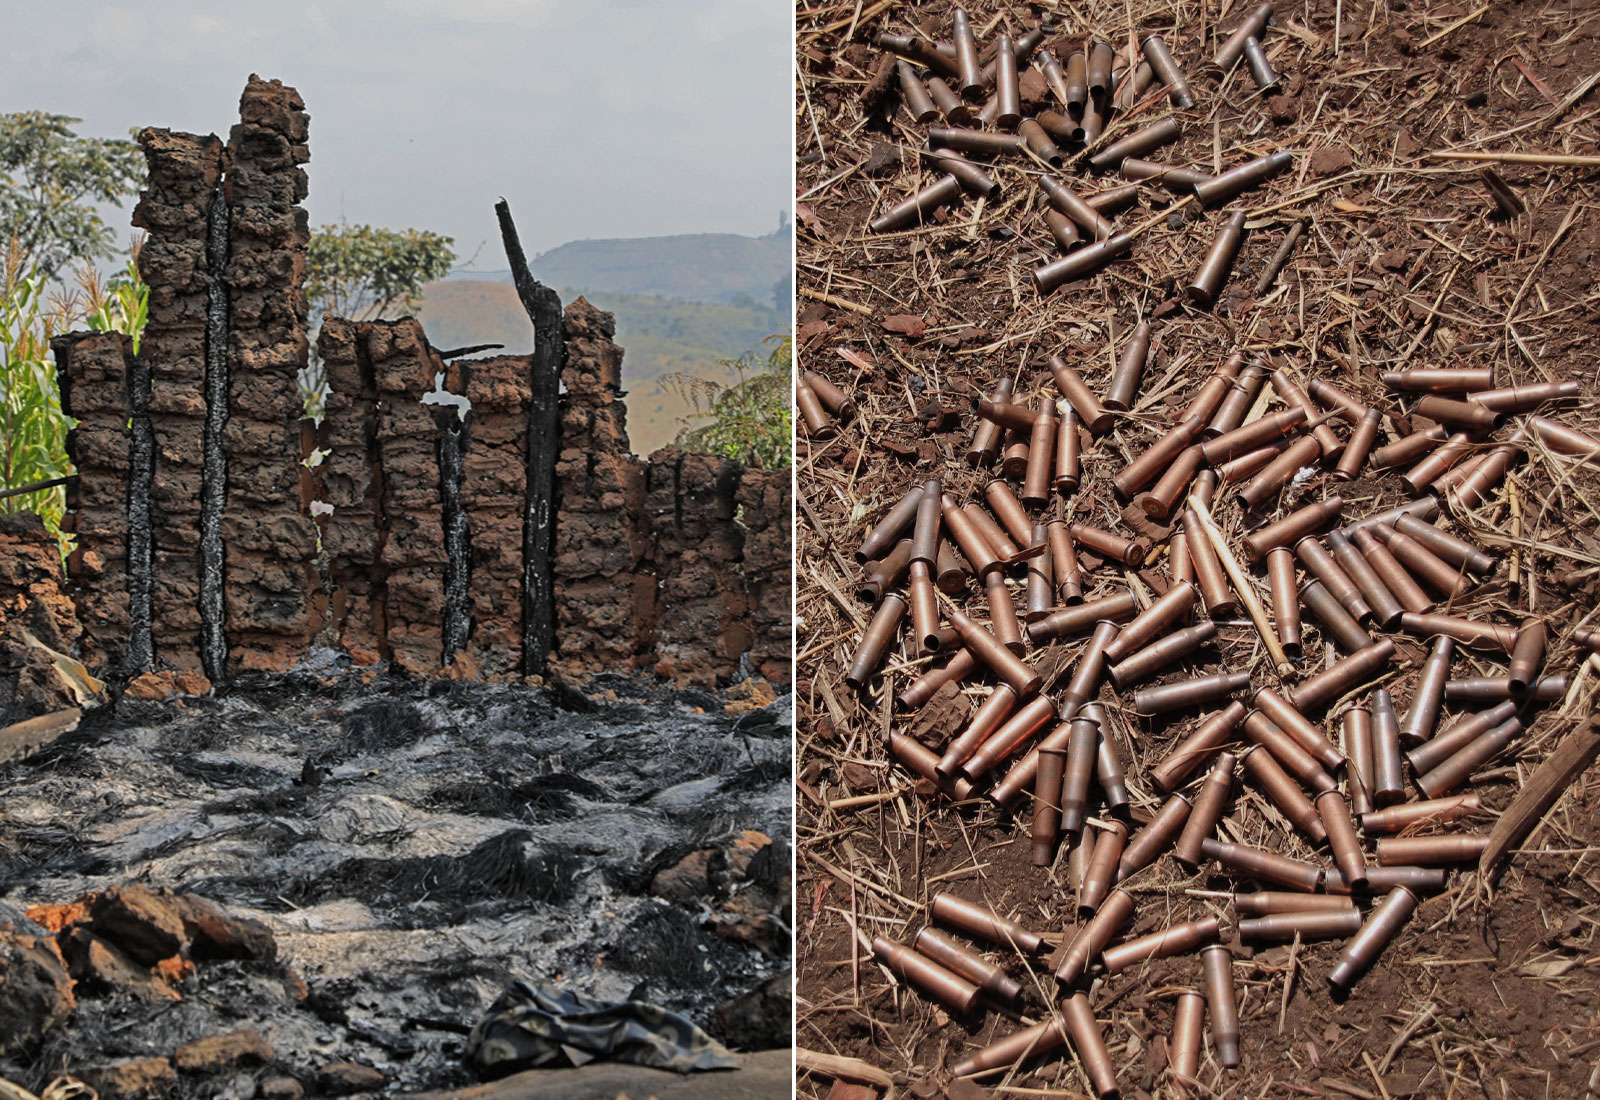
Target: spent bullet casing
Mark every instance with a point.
(1437, 810)
(1168, 72)
(1216, 964)
(974, 141)
(1336, 621)
(1495, 689)
(885, 574)
(1046, 825)
(1030, 1042)
(1289, 718)
(1288, 752)
(1277, 473)
(1091, 939)
(1005, 664)
(1040, 581)
(1207, 283)
(1364, 948)
(975, 547)
(1315, 557)
(1310, 925)
(891, 528)
(1253, 25)
(1090, 1045)
(1091, 666)
(925, 531)
(1458, 414)
(1213, 582)
(969, 73)
(1395, 577)
(985, 446)
(1283, 792)
(1136, 144)
(921, 761)
(1214, 389)
(1293, 527)
(1420, 477)
(1219, 449)
(981, 922)
(1171, 608)
(972, 177)
(989, 717)
(1041, 455)
(1008, 97)
(1144, 663)
(1237, 180)
(1266, 78)
(1024, 772)
(1173, 177)
(1455, 770)
(1098, 71)
(1067, 471)
(1258, 863)
(819, 425)
(1183, 1052)
(1189, 693)
(1213, 732)
(1236, 402)
(1073, 620)
(1170, 487)
(1431, 851)
(1149, 842)
(938, 981)
(1029, 719)
(1160, 944)
(950, 572)
(1108, 769)
(960, 665)
(1292, 394)
(1347, 853)
(1409, 447)
(1386, 609)
(1380, 880)
(1039, 143)
(875, 641)
(1527, 654)
(956, 957)
(1473, 635)
(951, 106)
(1285, 599)
(1082, 749)
(1069, 202)
(1130, 367)
(1100, 875)
(1108, 544)
(1456, 551)
(924, 609)
(918, 103)
(1095, 416)
(912, 210)
(1207, 810)
(1150, 465)
(1080, 264)
(1264, 903)
(1440, 380)
(1515, 399)
(1422, 562)
(1467, 729)
(1064, 564)
(1341, 676)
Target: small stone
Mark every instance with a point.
(217, 1054)
(191, 683)
(143, 925)
(242, 1086)
(213, 934)
(689, 878)
(152, 687)
(344, 1078)
(1330, 160)
(36, 993)
(99, 965)
(281, 1088)
(143, 1079)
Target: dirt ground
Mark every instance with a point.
(1491, 989)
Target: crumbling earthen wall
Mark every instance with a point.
(766, 509)
(34, 607)
(494, 483)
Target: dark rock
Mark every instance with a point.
(759, 1019)
(213, 934)
(145, 926)
(217, 1054)
(35, 991)
(345, 1078)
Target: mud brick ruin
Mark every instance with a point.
(197, 546)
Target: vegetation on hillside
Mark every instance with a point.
(748, 421)
(365, 273)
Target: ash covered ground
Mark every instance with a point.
(415, 848)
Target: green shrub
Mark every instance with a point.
(748, 421)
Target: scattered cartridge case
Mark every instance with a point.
(1028, 720)
(1213, 732)
(1454, 551)
(819, 425)
(1253, 462)
(961, 664)
(1341, 676)
(972, 177)
(1283, 792)
(830, 395)
(1130, 367)
(1253, 25)
(1440, 380)
(1367, 944)
(1040, 582)
(1152, 621)
(1082, 750)
(1136, 144)
(1422, 562)
(875, 641)
(968, 71)
(1237, 180)
(1268, 82)
(1046, 826)
(1388, 782)
(1180, 566)
(938, 981)
(992, 533)
(1272, 426)
(1315, 557)
(1404, 587)
(1214, 389)
(1289, 719)
(1309, 925)
(1588, 639)
(1008, 97)
(1206, 812)
(1108, 769)
(1168, 72)
(1144, 663)
(1459, 414)
(912, 210)
(1276, 473)
(1216, 963)
(1183, 1050)
(1093, 414)
(1423, 713)
(919, 105)
(1024, 772)
(1030, 1042)
(1330, 396)
(1515, 399)
(1207, 283)
(1464, 732)
(1475, 487)
(1039, 143)
(1473, 635)
(1408, 447)
(1425, 508)
(924, 609)
(1214, 588)
(1067, 470)
(1293, 527)
(1005, 664)
(891, 528)
(1108, 544)
(1090, 1045)
(1067, 127)
(1454, 771)
(1338, 623)
(1080, 264)
(918, 50)
(1386, 609)
(955, 956)
(921, 761)
(974, 141)
(1098, 71)
(1080, 851)
(950, 572)
(1003, 614)
(989, 717)
(1149, 842)
(1169, 489)
(1091, 221)
(1527, 654)
(1397, 818)
(985, 446)
(1291, 393)
(1264, 903)
(1091, 939)
(951, 106)
(1189, 693)
(925, 531)
(1091, 666)
(1059, 80)
(975, 546)
(1285, 598)
(1150, 465)
(1417, 479)
(1258, 863)
(1073, 620)
(1380, 880)
(1007, 415)
(1342, 838)
(1236, 403)
(1041, 456)
(1160, 944)
(883, 575)
(1431, 851)
(981, 922)
(1494, 689)
(1173, 177)
(1064, 563)
(1100, 875)
(1287, 751)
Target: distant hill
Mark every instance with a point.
(702, 267)
(658, 336)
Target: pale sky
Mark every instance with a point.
(594, 118)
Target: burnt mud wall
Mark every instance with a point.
(199, 548)
(33, 604)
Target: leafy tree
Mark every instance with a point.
(748, 421)
(365, 273)
(50, 181)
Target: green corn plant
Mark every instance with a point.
(33, 429)
(748, 421)
(122, 305)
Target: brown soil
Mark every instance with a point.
(1487, 991)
